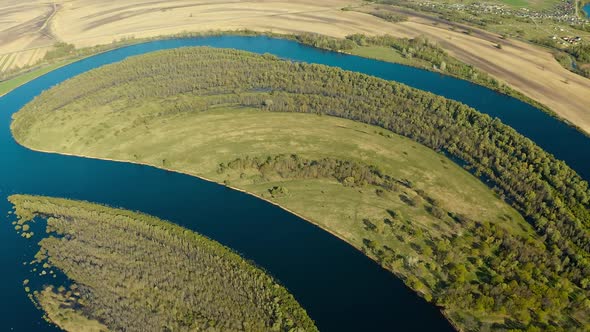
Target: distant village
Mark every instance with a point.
(564, 12)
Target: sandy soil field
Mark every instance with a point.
(28, 28)
(24, 32)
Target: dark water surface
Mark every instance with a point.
(341, 288)
(586, 10)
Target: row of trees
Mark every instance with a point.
(429, 56)
(349, 173)
(423, 49)
(134, 272)
(546, 191)
(389, 16)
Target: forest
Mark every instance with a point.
(133, 272)
(537, 283)
(480, 247)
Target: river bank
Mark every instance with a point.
(308, 39)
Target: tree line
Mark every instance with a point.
(432, 55)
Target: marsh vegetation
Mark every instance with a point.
(132, 272)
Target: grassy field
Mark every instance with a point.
(387, 54)
(198, 142)
(14, 83)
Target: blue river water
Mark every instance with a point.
(586, 10)
(341, 288)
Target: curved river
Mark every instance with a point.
(341, 288)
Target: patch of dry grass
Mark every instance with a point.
(197, 142)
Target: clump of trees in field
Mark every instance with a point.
(133, 272)
(545, 285)
(60, 50)
(389, 16)
(347, 172)
(581, 54)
